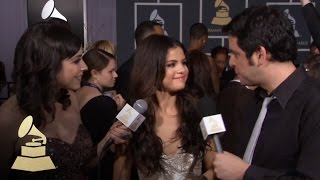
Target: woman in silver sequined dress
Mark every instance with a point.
(169, 144)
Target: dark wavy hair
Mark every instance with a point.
(147, 75)
(264, 26)
(37, 60)
(199, 79)
(95, 59)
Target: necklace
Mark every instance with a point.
(92, 85)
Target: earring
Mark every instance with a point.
(95, 81)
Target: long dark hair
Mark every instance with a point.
(147, 75)
(37, 61)
(199, 79)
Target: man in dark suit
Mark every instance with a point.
(281, 129)
(232, 103)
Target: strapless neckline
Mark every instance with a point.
(69, 159)
(55, 139)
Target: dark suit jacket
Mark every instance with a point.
(232, 103)
(123, 80)
(226, 76)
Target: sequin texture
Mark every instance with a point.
(175, 168)
(68, 158)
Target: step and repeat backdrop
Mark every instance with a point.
(178, 15)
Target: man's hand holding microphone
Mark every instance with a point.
(226, 165)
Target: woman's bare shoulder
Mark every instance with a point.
(85, 94)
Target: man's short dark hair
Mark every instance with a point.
(143, 30)
(264, 26)
(198, 30)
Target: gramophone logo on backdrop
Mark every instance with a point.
(49, 10)
(71, 11)
(33, 155)
(169, 15)
(222, 16)
(154, 16)
(293, 22)
(293, 11)
(217, 13)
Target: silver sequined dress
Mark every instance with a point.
(175, 167)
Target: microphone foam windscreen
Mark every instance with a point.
(141, 106)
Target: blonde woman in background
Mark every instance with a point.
(105, 45)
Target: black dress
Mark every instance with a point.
(98, 115)
(69, 159)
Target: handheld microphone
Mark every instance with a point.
(131, 117)
(211, 123)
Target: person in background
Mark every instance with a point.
(314, 49)
(312, 66)
(200, 82)
(312, 18)
(143, 30)
(220, 57)
(199, 78)
(105, 45)
(198, 34)
(169, 144)
(198, 39)
(232, 102)
(281, 131)
(97, 110)
(48, 67)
